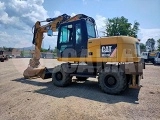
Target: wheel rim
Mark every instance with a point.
(59, 76)
(110, 81)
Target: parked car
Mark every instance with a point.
(157, 58)
(148, 57)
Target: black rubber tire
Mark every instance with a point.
(126, 84)
(81, 78)
(153, 62)
(115, 74)
(2, 60)
(64, 81)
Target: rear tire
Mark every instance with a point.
(112, 80)
(2, 60)
(153, 61)
(60, 78)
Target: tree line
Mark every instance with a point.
(120, 26)
(117, 26)
(10, 49)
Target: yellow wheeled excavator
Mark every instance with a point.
(115, 60)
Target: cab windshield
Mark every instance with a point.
(91, 30)
(138, 49)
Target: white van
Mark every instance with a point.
(144, 55)
(148, 57)
(157, 58)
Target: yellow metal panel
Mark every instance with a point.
(125, 51)
(99, 59)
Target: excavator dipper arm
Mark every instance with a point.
(34, 69)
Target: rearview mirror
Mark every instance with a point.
(50, 32)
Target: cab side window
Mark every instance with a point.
(66, 34)
(78, 34)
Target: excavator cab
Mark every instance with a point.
(73, 38)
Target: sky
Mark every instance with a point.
(17, 17)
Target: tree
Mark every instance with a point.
(22, 53)
(121, 26)
(158, 42)
(142, 47)
(4, 48)
(43, 50)
(10, 49)
(150, 44)
(49, 49)
(55, 50)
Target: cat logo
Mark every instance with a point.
(108, 50)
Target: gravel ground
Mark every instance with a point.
(37, 99)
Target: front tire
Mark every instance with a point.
(112, 80)
(2, 60)
(60, 78)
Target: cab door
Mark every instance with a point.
(65, 42)
(84, 30)
(80, 39)
(72, 40)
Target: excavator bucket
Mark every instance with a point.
(41, 72)
(47, 73)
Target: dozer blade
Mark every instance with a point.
(42, 72)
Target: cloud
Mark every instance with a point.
(57, 13)
(21, 13)
(145, 34)
(84, 2)
(100, 22)
(73, 14)
(14, 40)
(49, 41)
(5, 19)
(17, 18)
(19, 41)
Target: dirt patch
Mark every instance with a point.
(39, 99)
